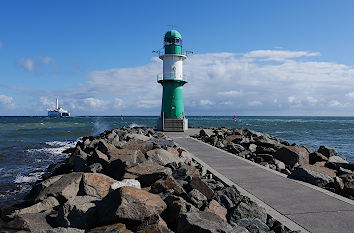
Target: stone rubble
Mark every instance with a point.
(137, 180)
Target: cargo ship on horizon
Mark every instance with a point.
(58, 111)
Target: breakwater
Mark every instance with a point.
(323, 168)
(134, 180)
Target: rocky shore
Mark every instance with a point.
(137, 180)
(323, 168)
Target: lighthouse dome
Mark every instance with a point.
(172, 34)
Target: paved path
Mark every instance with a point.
(312, 208)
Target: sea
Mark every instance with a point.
(29, 144)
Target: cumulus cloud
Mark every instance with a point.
(94, 103)
(47, 102)
(278, 55)
(7, 101)
(228, 82)
(38, 65)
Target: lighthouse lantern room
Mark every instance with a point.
(172, 111)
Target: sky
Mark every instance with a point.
(274, 57)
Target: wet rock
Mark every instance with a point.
(163, 157)
(79, 212)
(130, 204)
(316, 157)
(215, 208)
(96, 185)
(125, 183)
(319, 176)
(202, 222)
(253, 223)
(197, 198)
(198, 184)
(117, 228)
(327, 151)
(63, 189)
(149, 172)
(291, 155)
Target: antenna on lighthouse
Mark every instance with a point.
(173, 26)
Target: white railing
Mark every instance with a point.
(171, 76)
(162, 52)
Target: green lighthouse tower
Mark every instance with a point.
(172, 111)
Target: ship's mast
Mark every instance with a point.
(57, 103)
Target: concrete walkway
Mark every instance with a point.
(312, 208)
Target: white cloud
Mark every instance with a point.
(7, 101)
(311, 99)
(255, 103)
(335, 103)
(350, 94)
(118, 103)
(278, 55)
(230, 93)
(206, 102)
(27, 64)
(230, 81)
(95, 103)
(47, 102)
(38, 64)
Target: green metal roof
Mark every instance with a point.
(172, 34)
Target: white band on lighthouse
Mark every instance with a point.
(173, 66)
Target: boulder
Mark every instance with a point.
(234, 138)
(291, 155)
(163, 157)
(279, 165)
(130, 157)
(106, 148)
(336, 162)
(117, 228)
(129, 204)
(98, 157)
(156, 228)
(336, 159)
(63, 189)
(253, 224)
(198, 184)
(215, 208)
(185, 172)
(28, 222)
(205, 133)
(247, 209)
(115, 169)
(172, 150)
(96, 184)
(149, 172)
(348, 181)
(39, 187)
(60, 230)
(139, 145)
(252, 148)
(197, 198)
(228, 197)
(78, 160)
(45, 205)
(316, 157)
(203, 222)
(162, 142)
(338, 184)
(79, 212)
(95, 168)
(175, 206)
(319, 176)
(125, 183)
(327, 151)
(135, 136)
(164, 185)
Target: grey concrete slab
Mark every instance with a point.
(310, 207)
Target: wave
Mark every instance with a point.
(132, 125)
(31, 178)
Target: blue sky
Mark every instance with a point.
(251, 57)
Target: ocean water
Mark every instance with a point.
(29, 144)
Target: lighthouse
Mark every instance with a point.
(172, 116)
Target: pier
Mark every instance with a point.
(298, 205)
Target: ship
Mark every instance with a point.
(58, 111)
